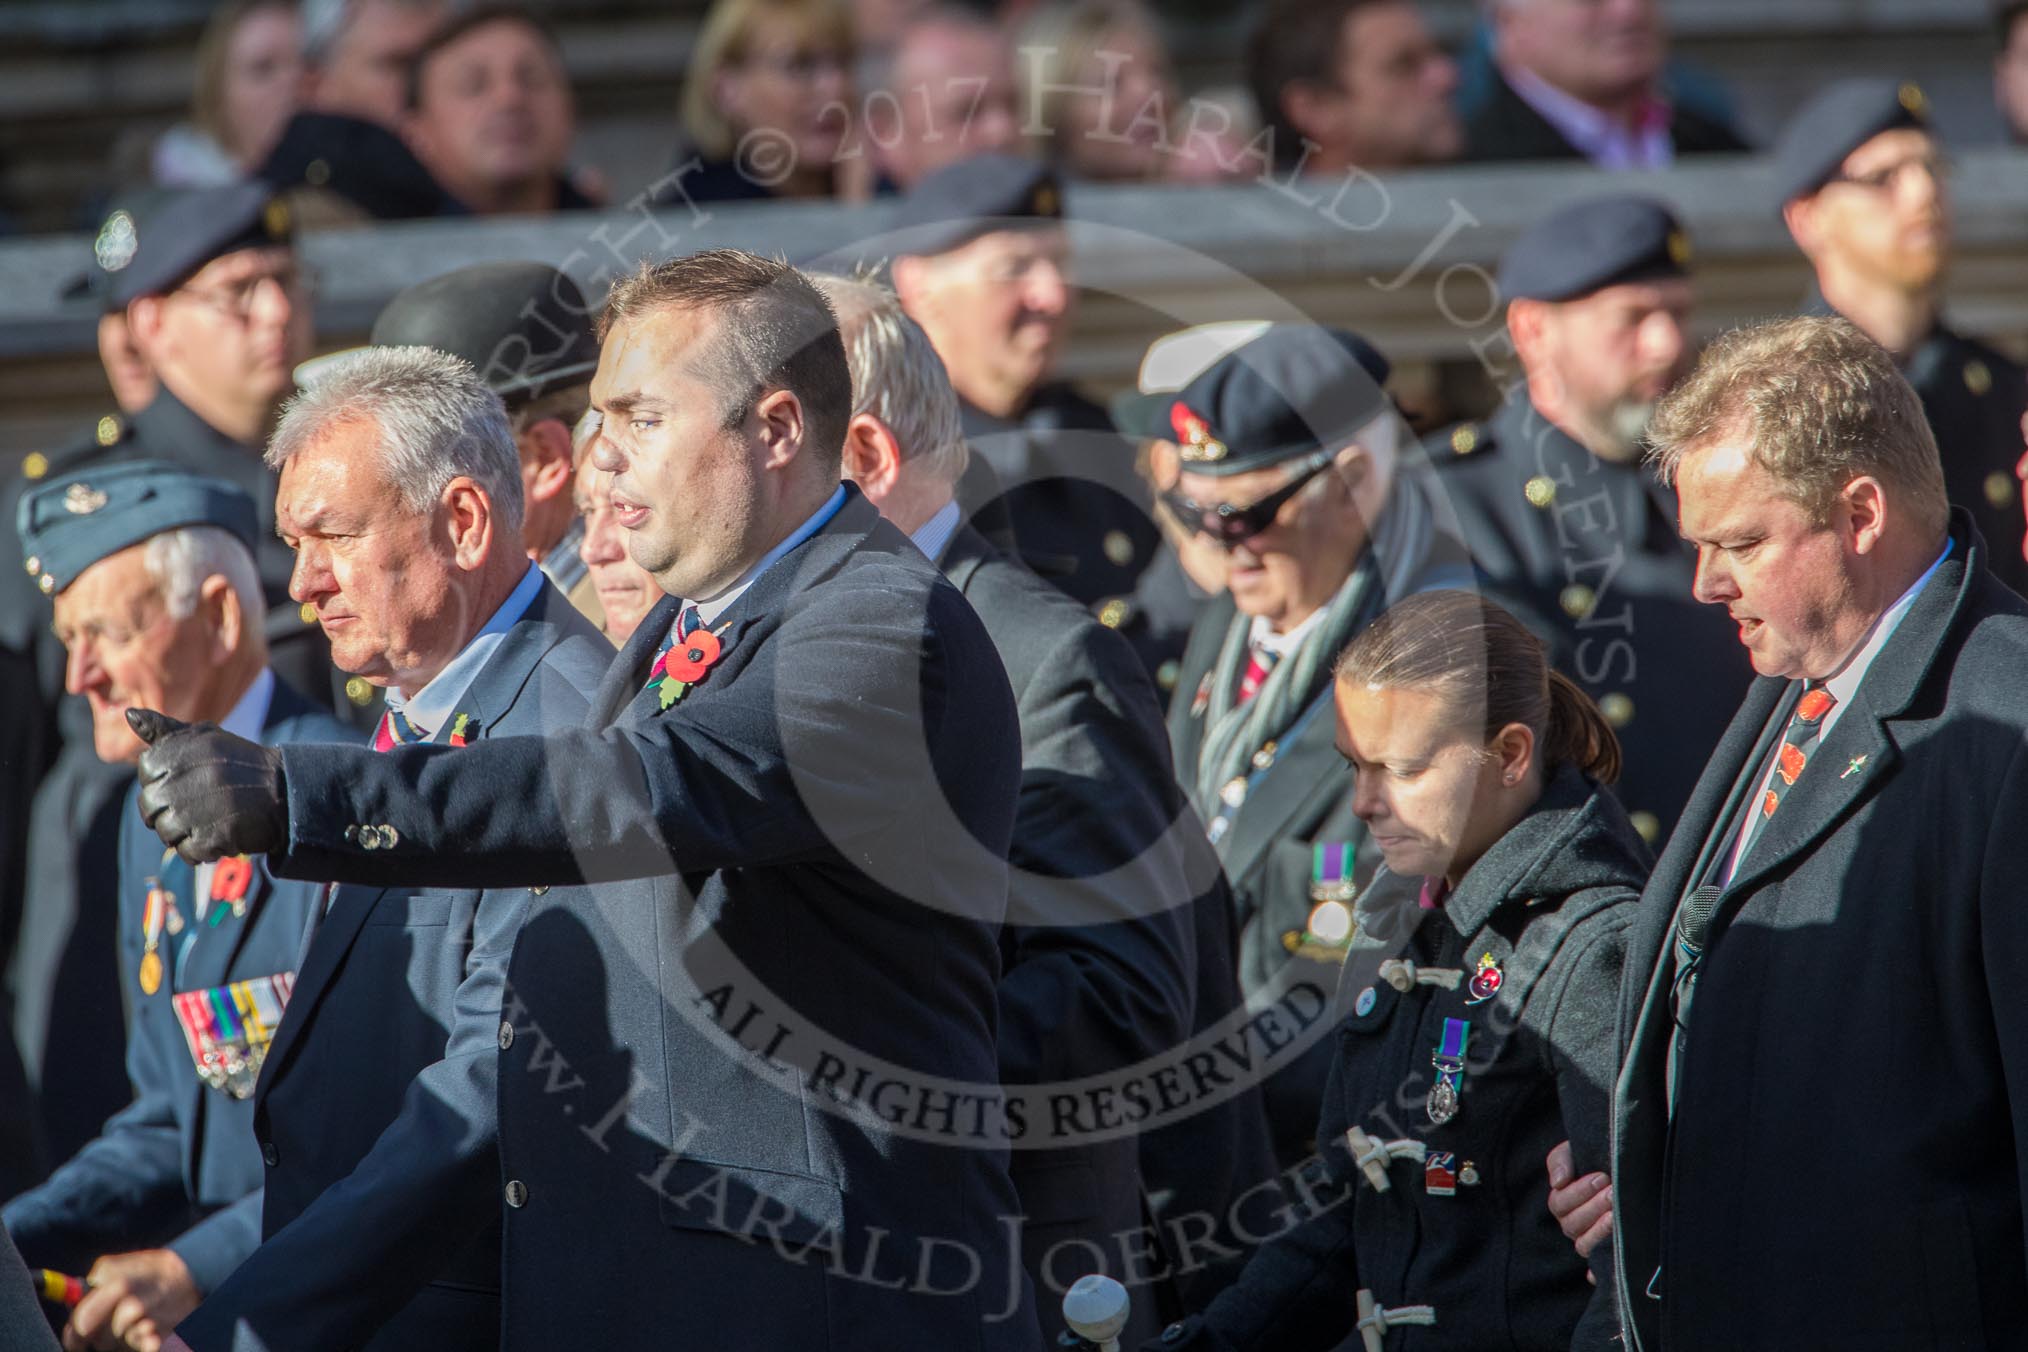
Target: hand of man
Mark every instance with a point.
(208, 793)
(134, 1301)
(1583, 1207)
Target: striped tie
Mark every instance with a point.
(1797, 744)
(1259, 662)
(395, 730)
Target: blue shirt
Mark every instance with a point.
(430, 709)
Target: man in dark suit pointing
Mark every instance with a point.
(1823, 1015)
(748, 1087)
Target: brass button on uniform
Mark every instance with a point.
(2000, 488)
(517, 1193)
(1119, 547)
(1618, 709)
(1166, 675)
(108, 430)
(1540, 490)
(34, 465)
(308, 610)
(359, 690)
(1648, 825)
(1577, 600)
(1978, 378)
(1113, 613)
(34, 565)
(1464, 439)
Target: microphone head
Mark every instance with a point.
(1693, 918)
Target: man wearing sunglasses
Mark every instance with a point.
(1865, 190)
(1288, 452)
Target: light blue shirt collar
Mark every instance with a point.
(933, 536)
(250, 714)
(430, 709)
(708, 610)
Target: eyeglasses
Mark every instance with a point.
(1938, 167)
(237, 300)
(1230, 525)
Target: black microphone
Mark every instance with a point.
(1693, 920)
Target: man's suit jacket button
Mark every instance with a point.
(517, 1193)
(506, 1035)
(389, 837)
(1175, 1332)
(352, 835)
(269, 1155)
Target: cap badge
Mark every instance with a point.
(1194, 441)
(1679, 248)
(117, 243)
(1913, 99)
(81, 499)
(1044, 202)
(275, 218)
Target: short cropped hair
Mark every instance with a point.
(437, 421)
(897, 375)
(1819, 403)
(776, 332)
(1294, 40)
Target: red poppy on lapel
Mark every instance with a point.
(691, 658)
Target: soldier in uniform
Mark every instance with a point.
(527, 329)
(1291, 462)
(983, 264)
(158, 601)
(1568, 529)
(1865, 191)
(379, 1227)
(216, 302)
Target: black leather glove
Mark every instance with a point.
(208, 793)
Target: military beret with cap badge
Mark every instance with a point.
(1837, 122)
(525, 327)
(362, 162)
(978, 195)
(1590, 245)
(74, 521)
(146, 257)
(1294, 389)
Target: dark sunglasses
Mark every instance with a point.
(1232, 525)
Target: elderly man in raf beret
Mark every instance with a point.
(158, 603)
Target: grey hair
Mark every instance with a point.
(180, 560)
(437, 421)
(896, 374)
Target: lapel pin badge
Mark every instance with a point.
(1857, 761)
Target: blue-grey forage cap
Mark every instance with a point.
(956, 204)
(1837, 122)
(70, 523)
(1590, 245)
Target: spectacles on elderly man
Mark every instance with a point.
(1232, 525)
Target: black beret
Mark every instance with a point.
(72, 522)
(148, 257)
(1295, 389)
(525, 327)
(956, 204)
(1837, 122)
(360, 161)
(1590, 245)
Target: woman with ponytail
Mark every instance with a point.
(1478, 1007)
